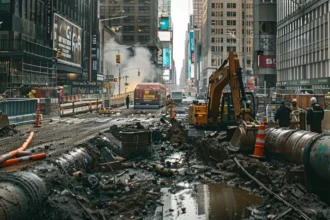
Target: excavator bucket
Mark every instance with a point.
(4, 121)
(244, 138)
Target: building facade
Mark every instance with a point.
(264, 42)
(31, 32)
(197, 27)
(303, 59)
(226, 26)
(139, 22)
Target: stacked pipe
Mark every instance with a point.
(301, 147)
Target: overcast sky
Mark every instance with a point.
(181, 9)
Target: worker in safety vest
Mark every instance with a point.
(315, 115)
(32, 94)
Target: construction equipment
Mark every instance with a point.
(225, 111)
(3, 120)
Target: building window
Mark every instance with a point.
(231, 22)
(144, 19)
(144, 29)
(129, 1)
(144, 39)
(129, 8)
(128, 29)
(144, 9)
(231, 5)
(129, 19)
(213, 22)
(231, 49)
(231, 14)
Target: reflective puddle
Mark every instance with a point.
(207, 202)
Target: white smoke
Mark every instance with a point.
(129, 65)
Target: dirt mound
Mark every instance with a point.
(8, 131)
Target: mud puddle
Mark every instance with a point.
(206, 202)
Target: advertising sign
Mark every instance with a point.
(67, 37)
(267, 61)
(192, 48)
(49, 18)
(166, 57)
(164, 35)
(164, 23)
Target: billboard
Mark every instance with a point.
(164, 35)
(164, 23)
(267, 61)
(192, 47)
(166, 57)
(67, 37)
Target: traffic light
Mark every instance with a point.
(59, 53)
(118, 58)
(139, 73)
(115, 79)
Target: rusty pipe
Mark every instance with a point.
(301, 147)
(21, 195)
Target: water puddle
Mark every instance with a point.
(207, 202)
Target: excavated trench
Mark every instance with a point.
(176, 181)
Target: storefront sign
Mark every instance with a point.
(267, 61)
(67, 37)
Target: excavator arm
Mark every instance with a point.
(231, 75)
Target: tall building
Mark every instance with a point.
(303, 59)
(139, 22)
(32, 32)
(264, 43)
(197, 27)
(226, 26)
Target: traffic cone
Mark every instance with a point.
(259, 147)
(38, 125)
(173, 112)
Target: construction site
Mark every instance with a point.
(219, 160)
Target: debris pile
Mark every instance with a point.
(8, 131)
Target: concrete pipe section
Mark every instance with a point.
(301, 147)
(22, 193)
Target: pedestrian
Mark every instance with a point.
(315, 115)
(294, 106)
(127, 101)
(283, 115)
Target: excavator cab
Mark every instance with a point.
(227, 112)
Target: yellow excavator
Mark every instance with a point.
(233, 111)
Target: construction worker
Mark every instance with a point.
(294, 106)
(32, 94)
(127, 101)
(283, 115)
(315, 115)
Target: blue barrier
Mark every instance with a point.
(15, 107)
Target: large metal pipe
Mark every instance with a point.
(21, 195)
(301, 147)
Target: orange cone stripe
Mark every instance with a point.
(21, 159)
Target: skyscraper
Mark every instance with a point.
(226, 26)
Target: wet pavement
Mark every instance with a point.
(208, 202)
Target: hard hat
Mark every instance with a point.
(313, 100)
(294, 100)
(282, 101)
(248, 101)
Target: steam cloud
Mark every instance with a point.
(140, 59)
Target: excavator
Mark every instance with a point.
(233, 111)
